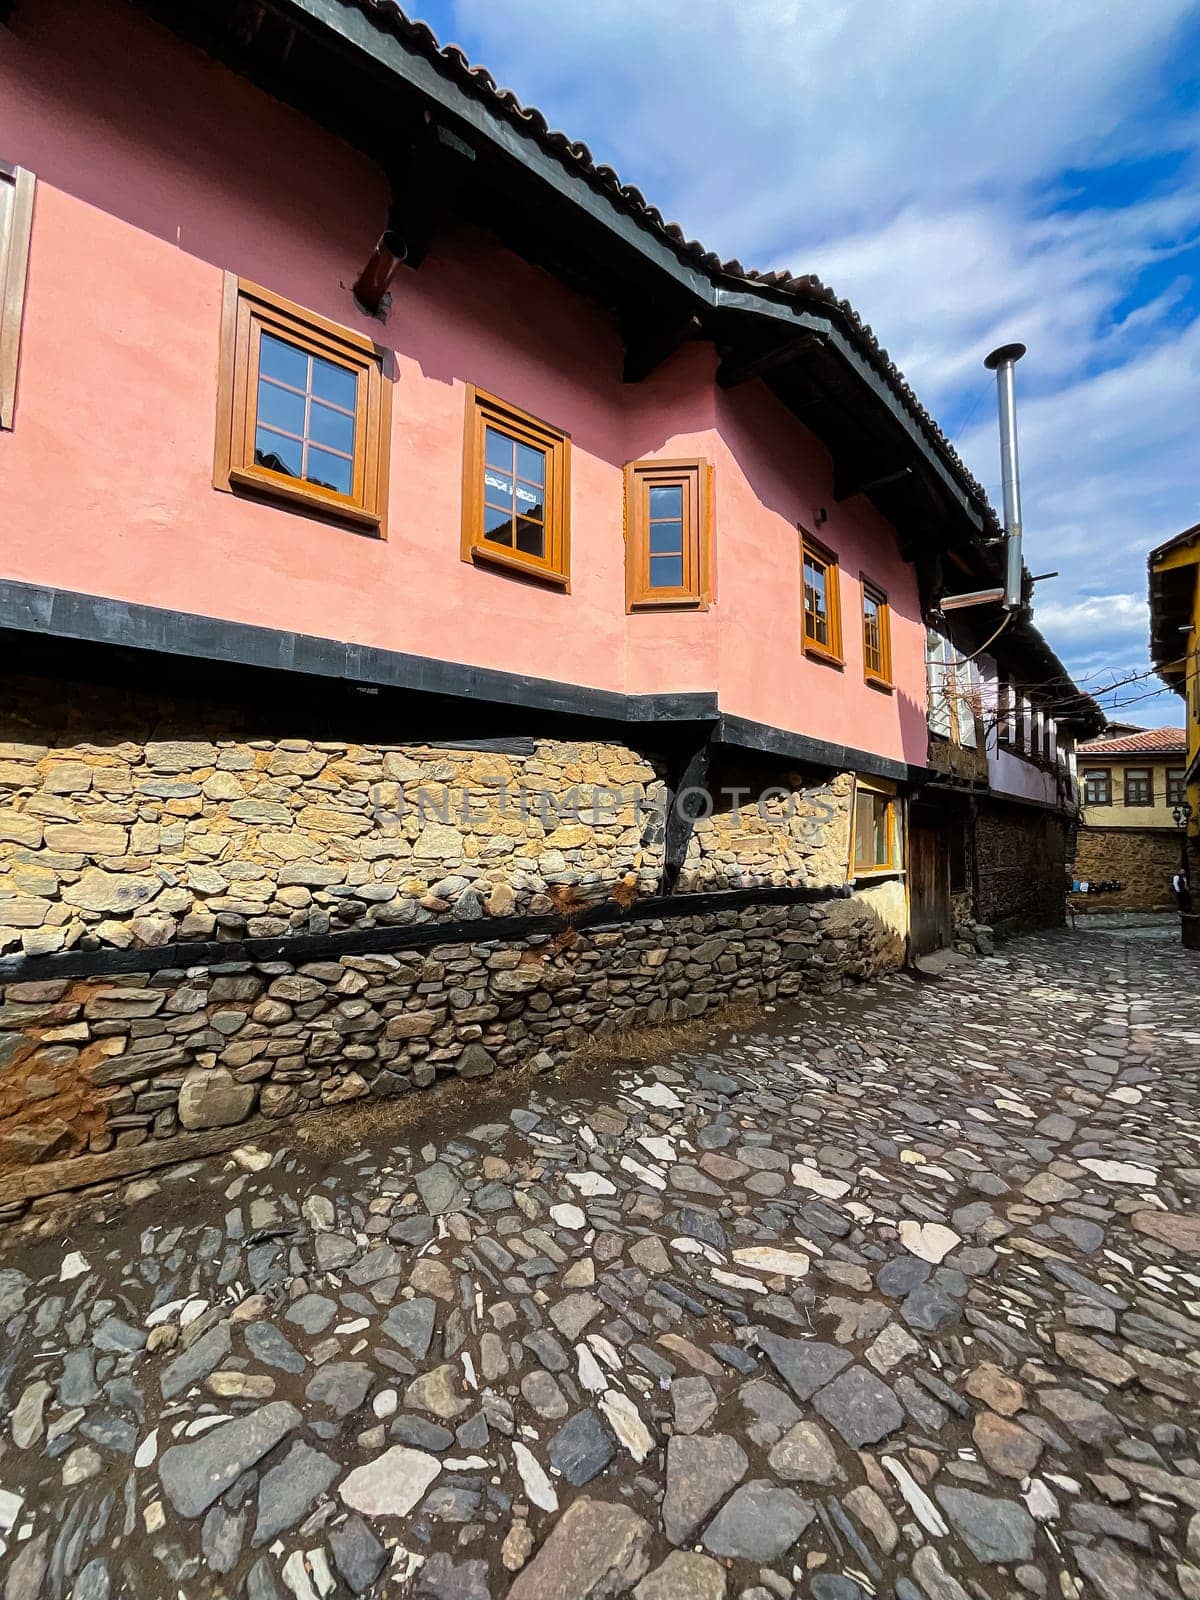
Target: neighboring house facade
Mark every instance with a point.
(1175, 650)
(407, 533)
(1000, 816)
(1130, 785)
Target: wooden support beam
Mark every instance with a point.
(686, 802)
(651, 338)
(737, 368)
(845, 488)
(426, 180)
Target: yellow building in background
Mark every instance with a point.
(1175, 650)
(1131, 784)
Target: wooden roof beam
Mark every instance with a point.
(845, 487)
(652, 336)
(735, 369)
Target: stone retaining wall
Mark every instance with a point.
(1021, 861)
(94, 1065)
(1143, 860)
(129, 821)
(137, 822)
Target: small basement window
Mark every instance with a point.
(876, 831)
(667, 534)
(303, 409)
(516, 490)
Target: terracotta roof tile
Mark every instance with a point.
(1146, 742)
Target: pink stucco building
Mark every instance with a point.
(332, 381)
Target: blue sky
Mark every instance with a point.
(1005, 169)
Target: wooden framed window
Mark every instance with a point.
(16, 227)
(1176, 786)
(822, 632)
(668, 534)
(516, 490)
(877, 636)
(304, 409)
(1139, 786)
(1097, 786)
(877, 845)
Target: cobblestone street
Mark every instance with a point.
(897, 1292)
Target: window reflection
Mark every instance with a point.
(514, 494)
(306, 415)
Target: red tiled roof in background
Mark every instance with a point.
(1146, 742)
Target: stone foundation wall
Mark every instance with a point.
(1142, 859)
(129, 822)
(165, 826)
(103, 1064)
(1021, 861)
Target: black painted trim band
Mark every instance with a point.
(748, 735)
(95, 619)
(297, 948)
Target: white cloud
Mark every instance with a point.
(1119, 615)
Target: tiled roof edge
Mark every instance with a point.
(573, 154)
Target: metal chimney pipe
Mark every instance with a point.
(1003, 363)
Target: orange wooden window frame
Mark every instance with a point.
(811, 550)
(890, 802)
(247, 311)
(16, 228)
(695, 480)
(485, 411)
(881, 679)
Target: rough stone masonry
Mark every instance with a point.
(128, 824)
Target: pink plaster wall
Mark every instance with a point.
(167, 170)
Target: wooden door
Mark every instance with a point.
(929, 888)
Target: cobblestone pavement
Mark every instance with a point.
(895, 1293)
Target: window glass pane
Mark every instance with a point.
(816, 621)
(497, 525)
(336, 384)
(879, 821)
(272, 450)
(332, 428)
(529, 500)
(497, 486)
(278, 359)
(666, 572)
(871, 824)
(333, 472)
(498, 450)
(531, 463)
(666, 538)
(862, 830)
(280, 408)
(531, 537)
(666, 500)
